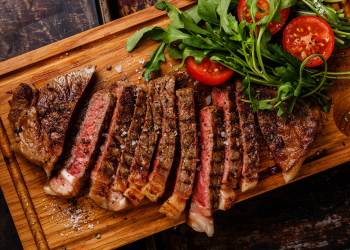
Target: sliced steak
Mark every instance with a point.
(116, 199)
(249, 140)
(166, 148)
(40, 118)
(147, 143)
(176, 204)
(106, 166)
(289, 139)
(206, 193)
(70, 178)
(224, 99)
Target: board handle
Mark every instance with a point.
(341, 93)
(21, 190)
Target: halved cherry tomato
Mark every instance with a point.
(263, 5)
(306, 35)
(208, 72)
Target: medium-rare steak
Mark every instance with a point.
(206, 193)
(249, 140)
(176, 204)
(116, 199)
(71, 176)
(289, 139)
(147, 143)
(40, 118)
(106, 166)
(166, 148)
(224, 98)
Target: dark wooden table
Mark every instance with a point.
(310, 214)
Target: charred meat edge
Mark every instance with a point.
(223, 98)
(72, 175)
(206, 193)
(288, 138)
(249, 139)
(41, 118)
(166, 148)
(116, 200)
(175, 205)
(147, 143)
(105, 168)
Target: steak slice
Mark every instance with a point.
(206, 193)
(166, 148)
(289, 139)
(176, 204)
(40, 118)
(224, 99)
(117, 201)
(106, 166)
(249, 140)
(70, 178)
(147, 143)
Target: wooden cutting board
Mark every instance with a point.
(47, 222)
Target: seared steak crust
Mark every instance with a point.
(40, 118)
(70, 178)
(224, 99)
(146, 146)
(175, 205)
(106, 166)
(205, 197)
(289, 139)
(249, 139)
(116, 198)
(166, 148)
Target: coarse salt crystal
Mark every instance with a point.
(118, 68)
(208, 100)
(90, 226)
(142, 61)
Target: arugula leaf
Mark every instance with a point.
(172, 34)
(207, 10)
(191, 26)
(227, 21)
(153, 32)
(198, 55)
(173, 13)
(193, 13)
(154, 63)
(174, 52)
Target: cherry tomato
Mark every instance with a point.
(263, 5)
(208, 72)
(306, 35)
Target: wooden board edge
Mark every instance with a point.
(21, 190)
(264, 185)
(84, 38)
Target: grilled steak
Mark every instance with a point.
(175, 205)
(146, 146)
(106, 166)
(117, 200)
(70, 178)
(206, 193)
(224, 99)
(40, 118)
(289, 139)
(166, 148)
(249, 140)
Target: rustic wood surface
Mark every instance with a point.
(99, 228)
(26, 25)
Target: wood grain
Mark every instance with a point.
(81, 224)
(27, 24)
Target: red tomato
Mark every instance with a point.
(306, 35)
(274, 27)
(208, 72)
